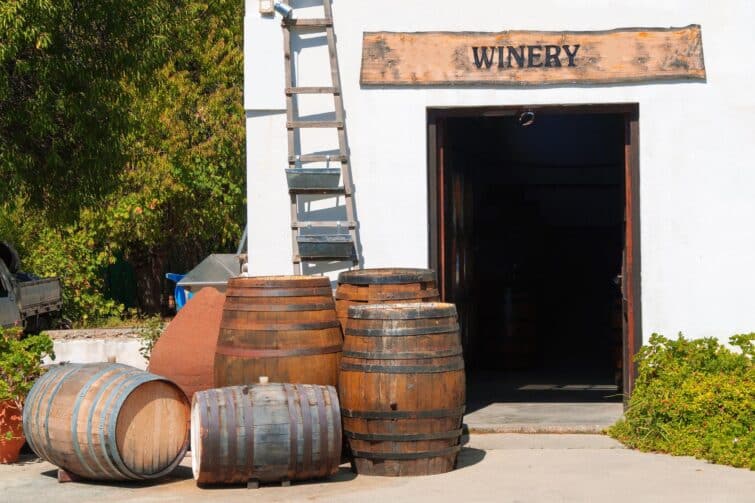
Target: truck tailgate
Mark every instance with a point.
(40, 296)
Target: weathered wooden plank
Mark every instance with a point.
(532, 58)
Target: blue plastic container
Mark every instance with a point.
(179, 294)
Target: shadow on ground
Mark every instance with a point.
(181, 473)
(344, 475)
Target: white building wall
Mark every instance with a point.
(697, 145)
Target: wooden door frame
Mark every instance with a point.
(631, 282)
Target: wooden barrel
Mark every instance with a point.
(107, 421)
(402, 388)
(377, 286)
(282, 327)
(265, 432)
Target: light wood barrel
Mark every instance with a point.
(282, 327)
(385, 285)
(107, 421)
(265, 432)
(402, 388)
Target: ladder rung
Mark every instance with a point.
(323, 223)
(312, 90)
(314, 124)
(317, 158)
(308, 23)
(333, 190)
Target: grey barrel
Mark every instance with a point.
(265, 432)
(107, 421)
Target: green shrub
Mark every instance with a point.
(694, 398)
(21, 364)
(151, 329)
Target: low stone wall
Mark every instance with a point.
(119, 345)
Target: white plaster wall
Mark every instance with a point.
(696, 149)
(124, 351)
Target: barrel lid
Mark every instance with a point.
(279, 281)
(410, 311)
(386, 276)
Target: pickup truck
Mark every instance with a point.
(26, 301)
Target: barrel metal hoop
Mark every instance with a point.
(306, 420)
(293, 461)
(248, 420)
(33, 392)
(33, 399)
(402, 414)
(386, 297)
(325, 454)
(275, 353)
(335, 405)
(47, 447)
(115, 381)
(393, 296)
(282, 327)
(409, 437)
(212, 453)
(408, 369)
(415, 311)
(386, 277)
(281, 282)
(118, 398)
(75, 420)
(280, 292)
(406, 456)
(401, 332)
(375, 355)
(275, 308)
(231, 430)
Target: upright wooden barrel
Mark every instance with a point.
(377, 286)
(107, 421)
(265, 432)
(282, 327)
(402, 388)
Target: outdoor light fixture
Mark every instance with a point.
(284, 10)
(266, 8)
(526, 118)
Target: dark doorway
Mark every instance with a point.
(534, 236)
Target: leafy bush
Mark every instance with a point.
(151, 330)
(694, 398)
(21, 364)
(77, 253)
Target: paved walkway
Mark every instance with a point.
(543, 417)
(496, 467)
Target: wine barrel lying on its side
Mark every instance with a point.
(107, 421)
(402, 389)
(378, 286)
(265, 432)
(282, 327)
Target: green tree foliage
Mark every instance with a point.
(141, 155)
(63, 110)
(694, 398)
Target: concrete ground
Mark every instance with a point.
(495, 467)
(543, 417)
(541, 401)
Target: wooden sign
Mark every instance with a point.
(532, 58)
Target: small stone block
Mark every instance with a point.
(66, 476)
(285, 483)
(253, 484)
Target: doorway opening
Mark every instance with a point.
(534, 232)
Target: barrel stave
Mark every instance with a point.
(409, 358)
(288, 432)
(390, 285)
(282, 327)
(91, 420)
